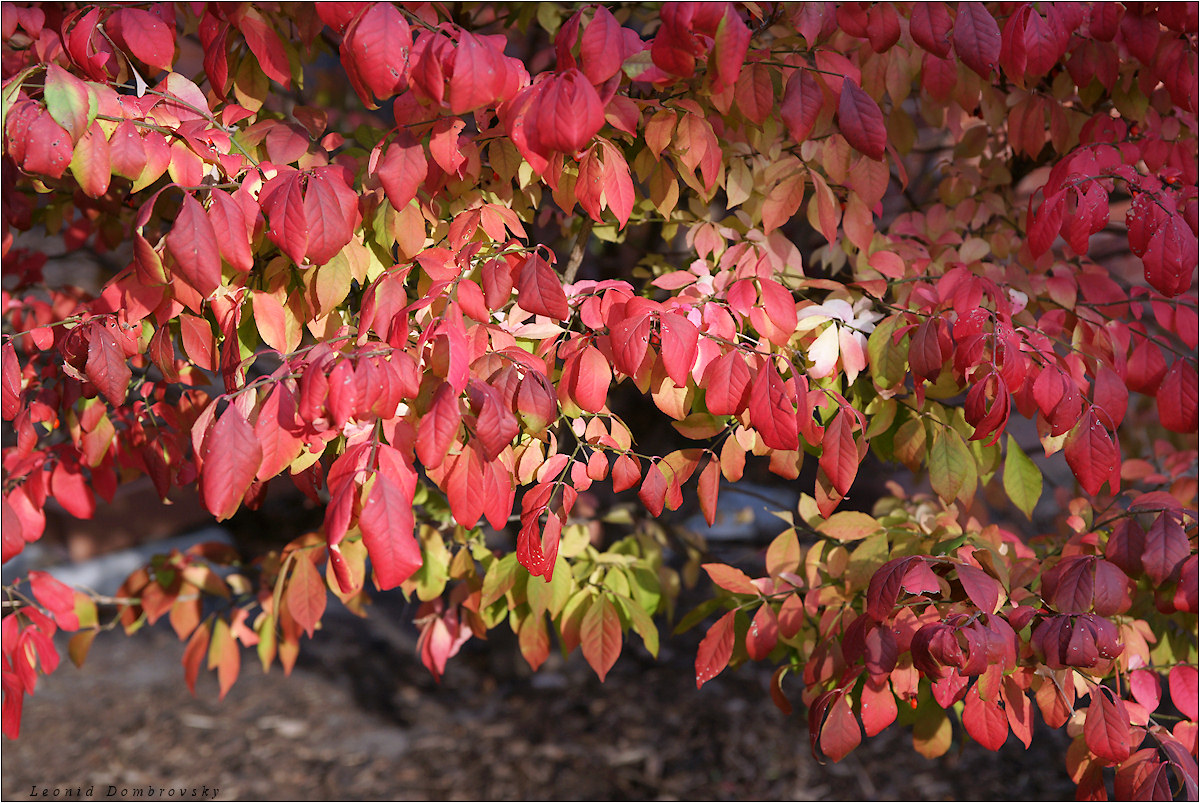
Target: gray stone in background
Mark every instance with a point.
(746, 512)
(104, 574)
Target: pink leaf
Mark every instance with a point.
(231, 456)
(387, 525)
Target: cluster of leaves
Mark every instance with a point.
(843, 228)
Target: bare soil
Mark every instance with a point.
(360, 718)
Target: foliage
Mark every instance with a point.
(805, 233)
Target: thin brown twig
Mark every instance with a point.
(577, 252)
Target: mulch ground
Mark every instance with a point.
(360, 718)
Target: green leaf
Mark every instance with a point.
(70, 101)
(951, 466)
(866, 558)
(550, 597)
(888, 361)
(13, 88)
(642, 624)
(431, 578)
(698, 615)
(1022, 478)
(499, 579)
(644, 588)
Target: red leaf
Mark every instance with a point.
(271, 428)
(1182, 683)
(387, 526)
(127, 151)
(630, 342)
(231, 456)
(861, 121)
(777, 694)
(653, 492)
(839, 452)
(708, 487)
(498, 494)
(877, 706)
(885, 585)
(47, 145)
(57, 597)
(727, 384)
(144, 35)
(588, 377)
(1111, 397)
(730, 44)
(535, 401)
(11, 381)
(268, 51)
(481, 75)
(106, 367)
(567, 113)
(1166, 547)
(1170, 258)
(930, 26)
(444, 144)
(883, 27)
(402, 170)
(1106, 728)
(984, 720)
(763, 633)
(1019, 710)
(679, 346)
(1126, 545)
(929, 348)
(540, 290)
(198, 341)
(772, 411)
(617, 184)
(779, 304)
(802, 104)
(1177, 397)
(495, 426)
(438, 427)
(731, 579)
(715, 649)
(375, 52)
(601, 47)
(306, 594)
(626, 473)
(977, 38)
(981, 587)
(600, 635)
(70, 487)
(1091, 454)
(193, 654)
(232, 230)
(283, 203)
(840, 733)
(1043, 225)
(330, 210)
(192, 243)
